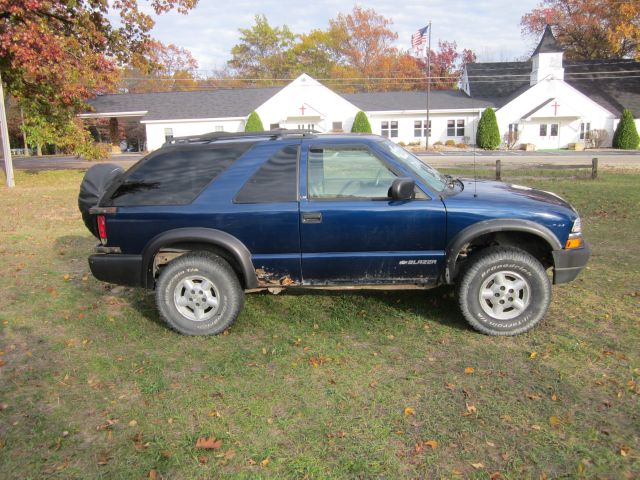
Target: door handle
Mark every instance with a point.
(312, 217)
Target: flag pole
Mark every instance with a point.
(428, 86)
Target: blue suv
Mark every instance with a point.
(206, 218)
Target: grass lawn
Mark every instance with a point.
(313, 384)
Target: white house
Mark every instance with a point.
(547, 101)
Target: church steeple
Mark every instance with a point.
(547, 59)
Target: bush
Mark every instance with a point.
(254, 124)
(598, 137)
(461, 145)
(438, 144)
(361, 123)
(626, 135)
(450, 143)
(488, 134)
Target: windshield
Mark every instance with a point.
(428, 174)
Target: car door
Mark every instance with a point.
(351, 232)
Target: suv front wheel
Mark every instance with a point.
(504, 291)
(199, 294)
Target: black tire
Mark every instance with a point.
(197, 268)
(95, 182)
(512, 303)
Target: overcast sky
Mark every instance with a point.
(489, 27)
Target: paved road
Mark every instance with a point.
(607, 159)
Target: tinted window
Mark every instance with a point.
(275, 181)
(176, 176)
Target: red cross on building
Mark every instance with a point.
(555, 108)
(302, 109)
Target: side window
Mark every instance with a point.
(175, 175)
(275, 181)
(347, 173)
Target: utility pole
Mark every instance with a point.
(4, 133)
(428, 86)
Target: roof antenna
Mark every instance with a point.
(475, 139)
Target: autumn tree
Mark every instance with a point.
(447, 64)
(589, 29)
(55, 55)
(264, 52)
(168, 68)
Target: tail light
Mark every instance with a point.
(102, 229)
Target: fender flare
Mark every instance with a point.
(235, 247)
(492, 226)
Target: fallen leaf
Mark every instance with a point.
(66, 277)
(554, 421)
(533, 355)
(491, 444)
(554, 397)
(229, 454)
(202, 459)
(495, 476)
(450, 386)
(477, 466)
(208, 443)
(471, 409)
(536, 427)
(624, 451)
(409, 411)
(431, 443)
(469, 370)
(103, 458)
(264, 462)
(133, 423)
(153, 474)
(213, 413)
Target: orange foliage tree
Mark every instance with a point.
(589, 29)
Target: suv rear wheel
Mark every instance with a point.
(199, 294)
(504, 291)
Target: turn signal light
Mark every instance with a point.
(573, 243)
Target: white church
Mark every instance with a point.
(548, 101)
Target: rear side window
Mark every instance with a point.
(176, 176)
(275, 181)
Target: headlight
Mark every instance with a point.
(577, 226)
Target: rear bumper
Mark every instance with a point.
(569, 263)
(117, 268)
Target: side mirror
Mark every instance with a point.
(403, 188)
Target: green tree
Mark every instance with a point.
(361, 123)
(626, 134)
(263, 51)
(488, 134)
(254, 124)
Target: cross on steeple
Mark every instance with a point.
(555, 108)
(302, 109)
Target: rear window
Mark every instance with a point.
(275, 181)
(176, 176)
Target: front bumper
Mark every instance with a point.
(117, 268)
(569, 263)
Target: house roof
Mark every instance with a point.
(235, 102)
(548, 43)
(414, 100)
(613, 84)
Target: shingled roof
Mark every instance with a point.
(412, 100)
(234, 102)
(548, 43)
(614, 84)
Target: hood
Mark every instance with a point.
(486, 200)
(500, 192)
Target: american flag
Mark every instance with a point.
(418, 38)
